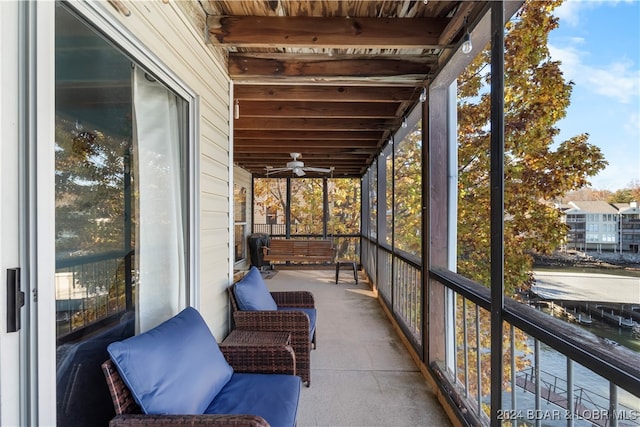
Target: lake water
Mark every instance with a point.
(591, 390)
(600, 285)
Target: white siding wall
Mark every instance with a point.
(164, 30)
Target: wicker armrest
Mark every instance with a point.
(265, 359)
(289, 320)
(188, 420)
(300, 299)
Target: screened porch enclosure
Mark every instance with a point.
(484, 350)
(311, 208)
(445, 318)
(382, 115)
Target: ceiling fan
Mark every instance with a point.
(297, 167)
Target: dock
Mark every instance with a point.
(584, 403)
(581, 297)
(611, 316)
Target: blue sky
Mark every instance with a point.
(598, 43)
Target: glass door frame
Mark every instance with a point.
(40, 403)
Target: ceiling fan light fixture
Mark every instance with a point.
(295, 164)
(298, 171)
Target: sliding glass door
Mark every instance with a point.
(121, 209)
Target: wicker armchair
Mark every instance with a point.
(264, 359)
(293, 321)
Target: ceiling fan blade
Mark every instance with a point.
(297, 167)
(272, 170)
(321, 170)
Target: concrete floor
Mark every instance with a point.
(361, 373)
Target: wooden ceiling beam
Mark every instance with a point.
(317, 109)
(247, 146)
(347, 173)
(319, 93)
(318, 163)
(456, 23)
(333, 32)
(266, 124)
(243, 66)
(239, 135)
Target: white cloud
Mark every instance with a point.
(606, 96)
(570, 58)
(617, 80)
(570, 11)
(577, 40)
(632, 125)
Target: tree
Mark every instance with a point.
(635, 191)
(536, 98)
(408, 192)
(90, 181)
(270, 195)
(626, 195)
(344, 214)
(586, 194)
(307, 204)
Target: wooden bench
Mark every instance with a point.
(301, 250)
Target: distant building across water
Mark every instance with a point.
(602, 226)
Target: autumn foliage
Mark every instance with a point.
(537, 167)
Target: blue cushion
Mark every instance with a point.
(174, 368)
(311, 312)
(274, 397)
(252, 294)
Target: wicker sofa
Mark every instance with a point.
(292, 311)
(176, 375)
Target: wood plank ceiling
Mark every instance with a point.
(329, 79)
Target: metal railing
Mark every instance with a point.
(407, 295)
(271, 229)
(583, 370)
(583, 403)
(592, 384)
(90, 290)
(399, 283)
(347, 246)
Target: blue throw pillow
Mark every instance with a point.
(174, 368)
(252, 294)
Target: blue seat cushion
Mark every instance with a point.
(174, 368)
(274, 397)
(311, 312)
(252, 293)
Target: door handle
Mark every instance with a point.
(15, 299)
